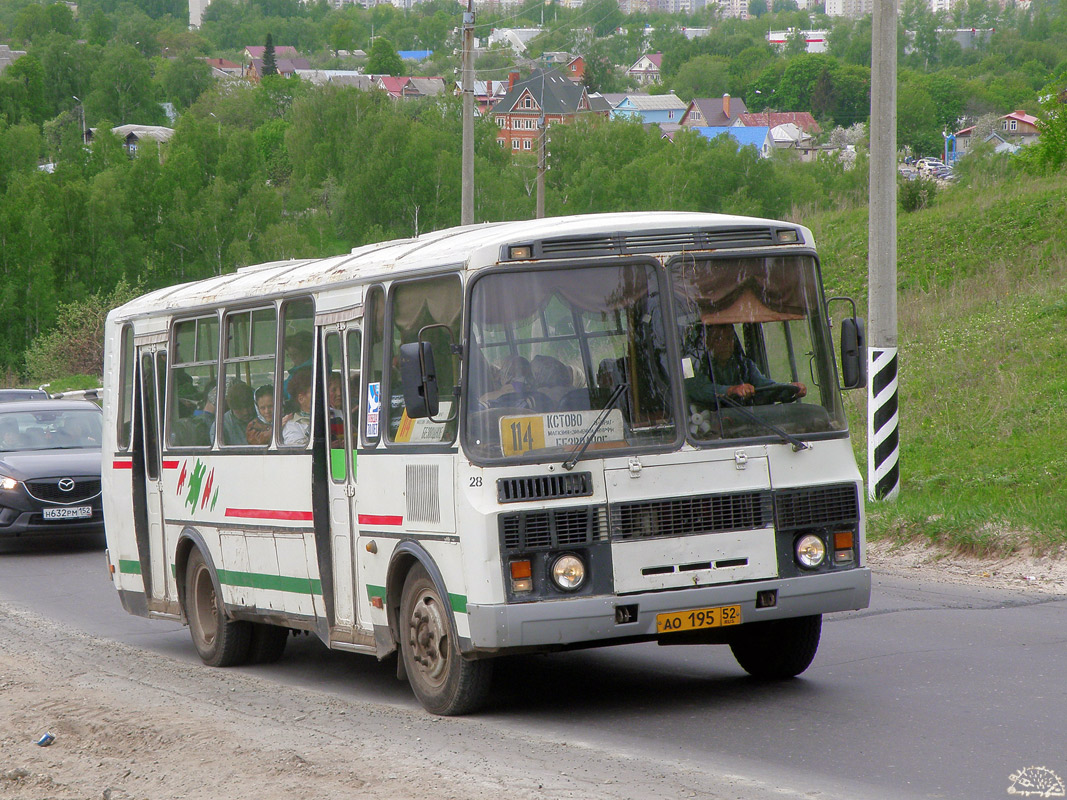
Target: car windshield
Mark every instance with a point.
(50, 429)
(550, 350)
(756, 353)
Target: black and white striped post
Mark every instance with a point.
(883, 445)
(883, 460)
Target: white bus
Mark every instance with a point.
(510, 437)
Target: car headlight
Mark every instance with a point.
(811, 550)
(8, 483)
(568, 572)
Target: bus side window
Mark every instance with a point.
(373, 369)
(126, 382)
(416, 305)
(249, 363)
(355, 352)
(194, 398)
(334, 406)
(298, 350)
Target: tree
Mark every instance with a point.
(703, 76)
(384, 60)
(184, 79)
(122, 89)
(270, 65)
(1049, 153)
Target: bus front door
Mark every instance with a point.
(338, 342)
(148, 474)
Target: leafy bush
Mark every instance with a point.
(917, 194)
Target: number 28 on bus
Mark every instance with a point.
(521, 436)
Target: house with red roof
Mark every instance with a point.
(646, 69)
(545, 95)
(772, 119)
(1013, 131)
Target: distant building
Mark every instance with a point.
(772, 119)
(515, 38)
(651, 108)
(853, 9)
(1013, 131)
(646, 69)
(760, 138)
(414, 55)
(814, 41)
(133, 135)
(713, 111)
(9, 56)
(546, 96)
(734, 9)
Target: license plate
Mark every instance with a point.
(698, 618)
(68, 512)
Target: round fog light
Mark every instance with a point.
(811, 550)
(568, 572)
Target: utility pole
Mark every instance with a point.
(883, 446)
(466, 214)
(542, 165)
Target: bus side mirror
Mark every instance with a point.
(853, 354)
(419, 378)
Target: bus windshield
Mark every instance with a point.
(757, 357)
(549, 349)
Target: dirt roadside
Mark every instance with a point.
(132, 724)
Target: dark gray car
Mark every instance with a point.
(50, 467)
(14, 395)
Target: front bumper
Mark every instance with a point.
(15, 521)
(593, 619)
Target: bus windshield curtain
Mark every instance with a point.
(747, 289)
(505, 299)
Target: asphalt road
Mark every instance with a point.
(938, 691)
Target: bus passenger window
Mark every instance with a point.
(193, 402)
(298, 349)
(249, 364)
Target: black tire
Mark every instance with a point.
(221, 642)
(443, 681)
(779, 649)
(267, 643)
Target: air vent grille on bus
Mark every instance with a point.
(686, 516)
(807, 507)
(658, 242)
(422, 492)
(544, 487)
(552, 529)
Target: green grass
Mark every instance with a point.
(982, 335)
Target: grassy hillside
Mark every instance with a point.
(982, 322)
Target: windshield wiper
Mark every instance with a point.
(794, 441)
(587, 437)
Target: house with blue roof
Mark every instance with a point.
(757, 136)
(414, 55)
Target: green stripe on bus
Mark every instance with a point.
(457, 601)
(337, 464)
(129, 567)
(277, 583)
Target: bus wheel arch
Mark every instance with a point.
(424, 630)
(220, 640)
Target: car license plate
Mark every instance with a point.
(698, 618)
(69, 512)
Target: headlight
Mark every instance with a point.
(811, 550)
(568, 572)
(8, 483)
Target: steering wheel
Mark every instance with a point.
(775, 393)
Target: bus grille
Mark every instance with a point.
(812, 507)
(544, 487)
(49, 491)
(686, 516)
(552, 529)
(655, 242)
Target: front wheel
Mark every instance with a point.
(443, 681)
(779, 649)
(220, 641)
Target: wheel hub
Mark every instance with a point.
(428, 635)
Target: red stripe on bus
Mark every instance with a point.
(375, 519)
(122, 465)
(265, 513)
(170, 464)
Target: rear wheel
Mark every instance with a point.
(443, 681)
(780, 649)
(221, 642)
(267, 643)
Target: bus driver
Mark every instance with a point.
(726, 370)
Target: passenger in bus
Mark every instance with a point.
(240, 411)
(337, 420)
(299, 350)
(552, 377)
(297, 428)
(517, 388)
(258, 431)
(725, 370)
